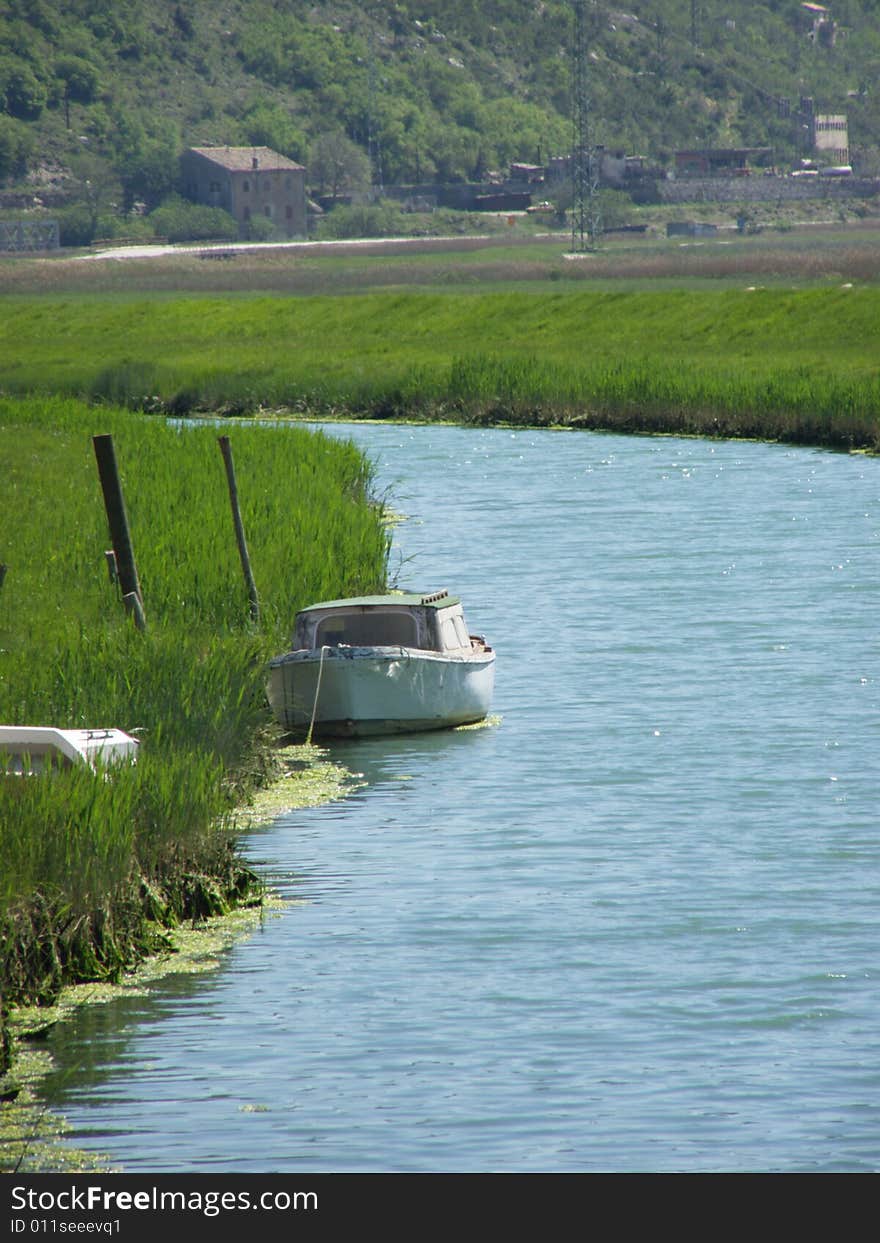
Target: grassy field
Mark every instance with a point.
(719, 357)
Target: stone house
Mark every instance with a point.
(248, 182)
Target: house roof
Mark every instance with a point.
(241, 159)
(715, 153)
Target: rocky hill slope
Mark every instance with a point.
(105, 95)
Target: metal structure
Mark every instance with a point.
(25, 235)
(586, 217)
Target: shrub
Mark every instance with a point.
(363, 220)
(80, 78)
(22, 94)
(182, 221)
(127, 226)
(259, 229)
(15, 147)
(77, 225)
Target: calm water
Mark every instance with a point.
(633, 925)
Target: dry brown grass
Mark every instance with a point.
(802, 256)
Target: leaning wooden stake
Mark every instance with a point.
(226, 450)
(119, 534)
(134, 607)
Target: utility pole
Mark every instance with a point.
(586, 219)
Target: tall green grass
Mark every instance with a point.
(192, 685)
(798, 364)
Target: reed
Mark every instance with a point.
(191, 686)
(798, 364)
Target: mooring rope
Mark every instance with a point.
(317, 693)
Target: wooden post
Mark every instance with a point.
(118, 520)
(135, 609)
(226, 450)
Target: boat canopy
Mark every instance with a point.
(433, 599)
(432, 622)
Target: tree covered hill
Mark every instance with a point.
(105, 93)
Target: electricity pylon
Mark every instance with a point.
(586, 218)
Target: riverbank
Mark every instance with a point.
(797, 365)
(31, 1136)
(98, 870)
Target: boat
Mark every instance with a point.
(28, 749)
(389, 664)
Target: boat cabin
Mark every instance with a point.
(433, 623)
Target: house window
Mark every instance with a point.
(246, 186)
(268, 209)
(247, 213)
(214, 187)
(288, 211)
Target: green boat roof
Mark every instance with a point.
(432, 599)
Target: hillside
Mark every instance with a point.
(99, 98)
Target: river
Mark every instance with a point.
(630, 925)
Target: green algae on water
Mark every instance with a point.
(308, 778)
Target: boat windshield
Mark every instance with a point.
(369, 629)
(453, 630)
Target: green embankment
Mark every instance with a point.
(799, 365)
(90, 867)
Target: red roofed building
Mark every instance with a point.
(248, 182)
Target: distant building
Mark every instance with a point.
(718, 161)
(818, 24)
(614, 167)
(830, 138)
(248, 182)
(690, 228)
(509, 200)
(527, 172)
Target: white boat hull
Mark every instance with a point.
(355, 692)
